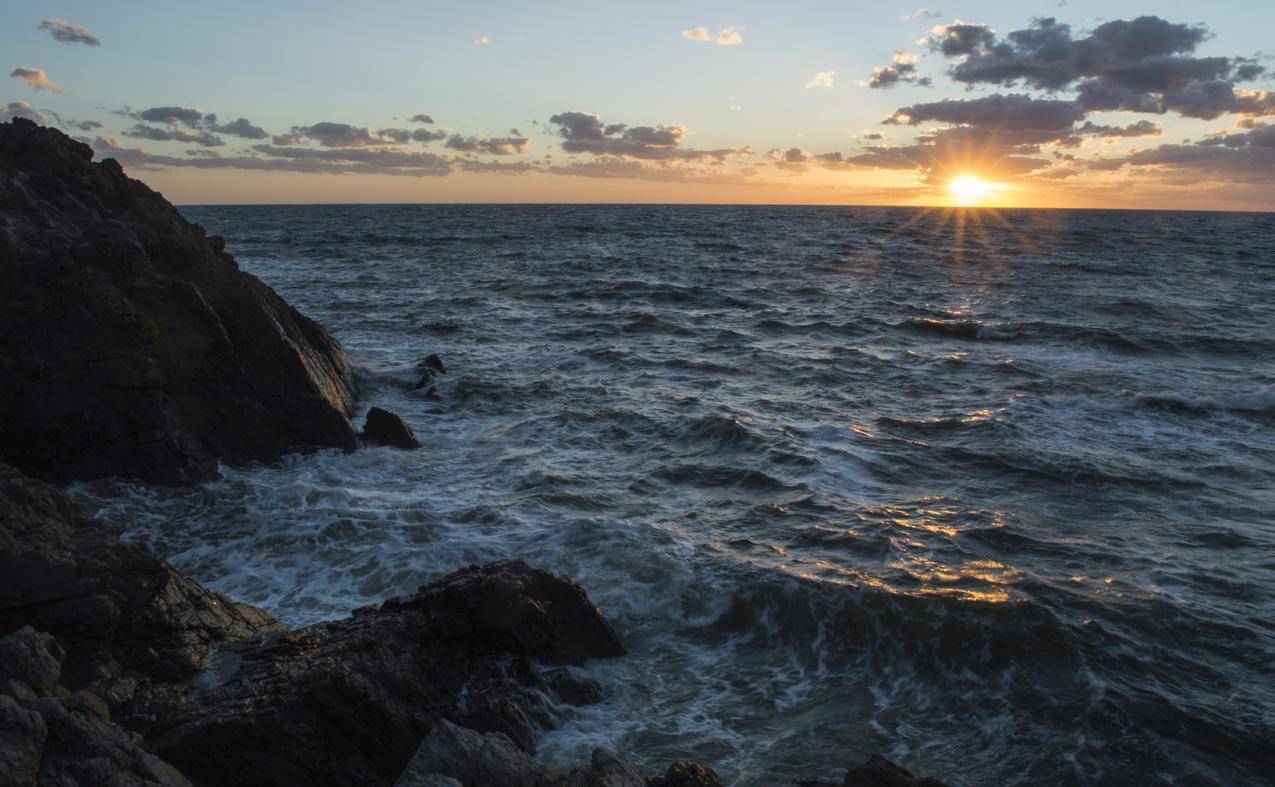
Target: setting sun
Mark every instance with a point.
(970, 190)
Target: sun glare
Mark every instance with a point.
(970, 190)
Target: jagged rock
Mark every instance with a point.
(433, 362)
(131, 345)
(51, 737)
(880, 772)
(472, 758)
(428, 368)
(385, 428)
(687, 774)
(122, 614)
(348, 702)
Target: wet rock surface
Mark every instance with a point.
(131, 345)
(354, 698)
(385, 428)
(123, 615)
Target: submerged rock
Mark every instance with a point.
(131, 345)
(348, 702)
(50, 736)
(123, 615)
(385, 428)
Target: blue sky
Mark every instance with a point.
(374, 64)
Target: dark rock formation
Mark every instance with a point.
(880, 772)
(385, 428)
(349, 702)
(122, 614)
(50, 736)
(876, 772)
(131, 345)
(428, 369)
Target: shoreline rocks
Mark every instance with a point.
(132, 345)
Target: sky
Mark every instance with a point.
(1067, 103)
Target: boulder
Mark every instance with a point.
(123, 615)
(385, 428)
(131, 344)
(49, 736)
(349, 702)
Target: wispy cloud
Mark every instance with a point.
(36, 78)
(482, 40)
(726, 36)
(68, 33)
(922, 13)
(822, 79)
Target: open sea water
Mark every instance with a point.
(989, 492)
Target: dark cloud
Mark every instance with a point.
(582, 132)
(873, 135)
(142, 131)
(83, 125)
(495, 146)
(960, 38)
(1247, 157)
(184, 116)
(400, 135)
(790, 160)
(422, 119)
(1013, 111)
(237, 128)
(336, 135)
(1141, 128)
(902, 68)
(68, 33)
(271, 158)
(1139, 65)
(426, 135)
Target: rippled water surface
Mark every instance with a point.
(991, 493)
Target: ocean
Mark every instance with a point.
(991, 492)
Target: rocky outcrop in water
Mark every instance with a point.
(385, 428)
(124, 616)
(131, 345)
(353, 699)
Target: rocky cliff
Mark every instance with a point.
(131, 345)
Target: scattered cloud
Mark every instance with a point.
(83, 125)
(959, 38)
(922, 13)
(185, 116)
(1011, 112)
(422, 118)
(582, 132)
(173, 134)
(238, 128)
(19, 109)
(1140, 128)
(482, 40)
(822, 79)
(36, 78)
(902, 68)
(1134, 65)
(1246, 157)
(333, 135)
(68, 33)
(494, 146)
(726, 36)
